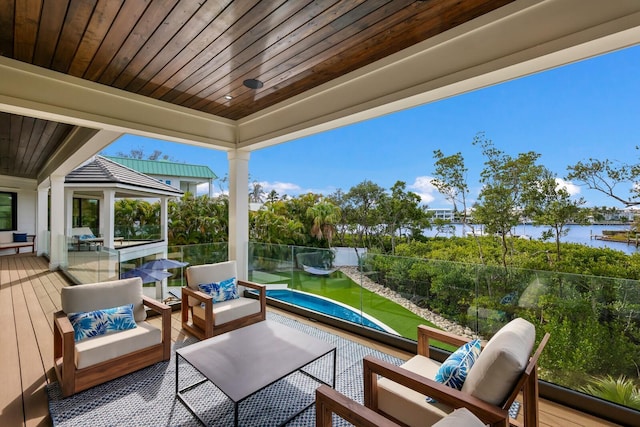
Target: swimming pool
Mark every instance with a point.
(327, 306)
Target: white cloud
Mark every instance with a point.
(281, 187)
(568, 185)
(423, 187)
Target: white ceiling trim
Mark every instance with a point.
(37, 92)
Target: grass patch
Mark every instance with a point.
(340, 287)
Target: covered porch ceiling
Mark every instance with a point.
(77, 74)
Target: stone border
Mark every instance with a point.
(436, 319)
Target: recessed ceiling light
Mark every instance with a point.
(228, 97)
(253, 83)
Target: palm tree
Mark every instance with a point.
(325, 216)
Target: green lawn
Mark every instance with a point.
(340, 288)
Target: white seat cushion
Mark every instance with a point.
(461, 417)
(407, 405)
(105, 347)
(226, 311)
(501, 362)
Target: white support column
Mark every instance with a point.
(57, 255)
(68, 211)
(164, 218)
(239, 209)
(108, 221)
(42, 218)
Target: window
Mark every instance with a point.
(86, 213)
(8, 211)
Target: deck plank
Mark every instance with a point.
(11, 391)
(30, 294)
(32, 371)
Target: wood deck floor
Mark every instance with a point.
(30, 294)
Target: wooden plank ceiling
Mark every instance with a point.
(197, 54)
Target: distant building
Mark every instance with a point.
(179, 175)
(445, 214)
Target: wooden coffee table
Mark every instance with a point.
(242, 362)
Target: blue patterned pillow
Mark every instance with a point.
(93, 323)
(221, 291)
(454, 370)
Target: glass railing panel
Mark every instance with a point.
(93, 264)
(594, 322)
(205, 253)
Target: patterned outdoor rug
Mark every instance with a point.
(147, 397)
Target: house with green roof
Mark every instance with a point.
(179, 175)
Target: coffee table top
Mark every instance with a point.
(248, 359)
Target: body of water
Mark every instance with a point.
(577, 234)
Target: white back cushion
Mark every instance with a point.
(101, 295)
(209, 273)
(501, 363)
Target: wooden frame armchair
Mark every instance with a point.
(203, 318)
(501, 372)
(330, 401)
(92, 361)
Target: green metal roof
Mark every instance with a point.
(165, 168)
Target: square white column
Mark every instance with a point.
(239, 210)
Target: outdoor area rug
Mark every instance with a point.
(147, 397)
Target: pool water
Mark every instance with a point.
(322, 305)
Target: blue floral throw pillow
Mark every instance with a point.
(454, 370)
(94, 323)
(221, 291)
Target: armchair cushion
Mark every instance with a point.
(407, 405)
(501, 363)
(105, 347)
(226, 311)
(97, 296)
(88, 324)
(460, 417)
(221, 291)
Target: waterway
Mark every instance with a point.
(577, 234)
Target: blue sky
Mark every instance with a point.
(587, 109)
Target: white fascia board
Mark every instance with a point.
(518, 39)
(129, 190)
(14, 183)
(33, 91)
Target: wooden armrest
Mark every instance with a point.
(252, 285)
(157, 306)
(427, 333)
(329, 401)
(262, 289)
(443, 394)
(200, 296)
(63, 324)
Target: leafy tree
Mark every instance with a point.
(362, 203)
(605, 175)
(272, 197)
(138, 153)
(551, 205)
(501, 200)
(451, 181)
(200, 219)
(256, 192)
(402, 211)
(339, 199)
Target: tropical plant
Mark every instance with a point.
(325, 216)
(619, 390)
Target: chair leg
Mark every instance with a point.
(530, 399)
